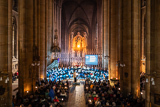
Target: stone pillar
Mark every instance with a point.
(113, 38)
(35, 36)
(126, 45)
(154, 49)
(46, 36)
(100, 22)
(105, 34)
(6, 52)
(25, 41)
(26, 73)
(119, 39)
(60, 23)
(130, 77)
(42, 39)
(38, 34)
(13, 34)
(9, 96)
(50, 33)
(148, 52)
(71, 50)
(136, 58)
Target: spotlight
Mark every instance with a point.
(141, 93)
(119, 88)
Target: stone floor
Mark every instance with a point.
(76, 96)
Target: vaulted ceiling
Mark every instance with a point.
(78, 15)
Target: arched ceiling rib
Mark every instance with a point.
(78, 14)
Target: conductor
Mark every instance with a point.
(74, 76)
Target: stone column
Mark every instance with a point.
(148, 52)
(35, 36)
(60, 23)
(105, 33)
(13, 34)
(136, 58)
(9, 102)
(26, 73)
(126, 45)
(50, 33)
(42, 38)
(46, 37)
(113, 38)
(25, 46)
(6, 52)
(71, 50)
(154, 49)
(38, 34)
(130, 77)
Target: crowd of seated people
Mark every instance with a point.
(102, 94)
(82, 73)
(47, 94)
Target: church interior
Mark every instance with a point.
(79, 53)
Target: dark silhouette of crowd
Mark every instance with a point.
(47, 94)
(102, 94)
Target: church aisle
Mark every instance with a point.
(76, 96)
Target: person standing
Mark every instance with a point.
(74, 76)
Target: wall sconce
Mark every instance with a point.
(4, 75)
(35, 63)
(6, 81)
(152, 77)
(146, 80)
(120, 64)
(107, 57)
(143, 59)
(153, 83)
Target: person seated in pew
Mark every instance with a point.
(63, 93)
